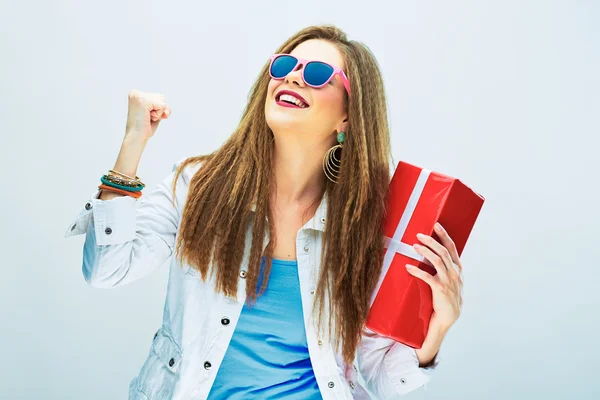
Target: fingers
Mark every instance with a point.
(439, 250)
(448, 244)
(161, 112)
(434, 259)
(419, 273)
(153, 102)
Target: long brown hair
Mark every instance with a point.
(238, 175)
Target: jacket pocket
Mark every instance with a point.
(159, 373)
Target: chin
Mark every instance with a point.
(284, 125)
(280, 120)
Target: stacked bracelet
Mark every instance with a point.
(118, 182)
(126, 179)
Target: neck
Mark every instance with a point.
(298, 171)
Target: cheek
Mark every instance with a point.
(272, 86)
(270, 107)
(328, 100)
(270, 91)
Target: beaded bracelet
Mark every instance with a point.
(118, 179)
(136, 195)
(108, 182)
(123, 182)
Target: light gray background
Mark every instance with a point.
(504, 95)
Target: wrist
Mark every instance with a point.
(439, 326)
(134, 139)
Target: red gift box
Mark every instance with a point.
(401, 304)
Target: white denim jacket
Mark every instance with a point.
(127, 238)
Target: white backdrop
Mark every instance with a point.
(504, 95)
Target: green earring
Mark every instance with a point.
(331, 161)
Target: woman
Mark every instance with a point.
(279, 245)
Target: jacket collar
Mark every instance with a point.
(317, 222)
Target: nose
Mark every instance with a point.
(296, 76)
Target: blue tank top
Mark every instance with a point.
(267, 357)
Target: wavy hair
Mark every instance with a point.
(238, 176)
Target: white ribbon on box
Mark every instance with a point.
(394, 244)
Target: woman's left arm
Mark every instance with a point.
(446, 288)
(392, 369)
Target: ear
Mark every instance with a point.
(343, 127)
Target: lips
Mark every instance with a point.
(285, 104)
(293, 94)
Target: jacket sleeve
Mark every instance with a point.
(127, 238)
(390, 369)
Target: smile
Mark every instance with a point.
(283, 103)
(287, 98)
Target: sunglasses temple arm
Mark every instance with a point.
(345, 81)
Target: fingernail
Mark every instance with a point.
(408, 266)
(438, 227)
(416, 246)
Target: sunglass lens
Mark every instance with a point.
(282, 66)
(317, 73)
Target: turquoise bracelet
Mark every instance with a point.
(128, 188)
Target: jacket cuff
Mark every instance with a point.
(114, 219)
(405, 375)
(81, 223)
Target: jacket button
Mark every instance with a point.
(323, 220)
(225, 321)
(331, 384)
(351, 385)
(88, 206)
(306, 249)
(320, 342)
(207, 365)
(402, 381)
(243, 274)
(312, 292)
(171, 362)
(108, 231)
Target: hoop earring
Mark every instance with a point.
(332, 163)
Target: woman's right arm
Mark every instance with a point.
(128, 238)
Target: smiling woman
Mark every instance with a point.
(310, 74)
(276, 235)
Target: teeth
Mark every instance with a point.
(293, 99)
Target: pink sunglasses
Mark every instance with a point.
(315, 73)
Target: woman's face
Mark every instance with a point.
(326, 111)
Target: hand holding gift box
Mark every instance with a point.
(402, 303)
